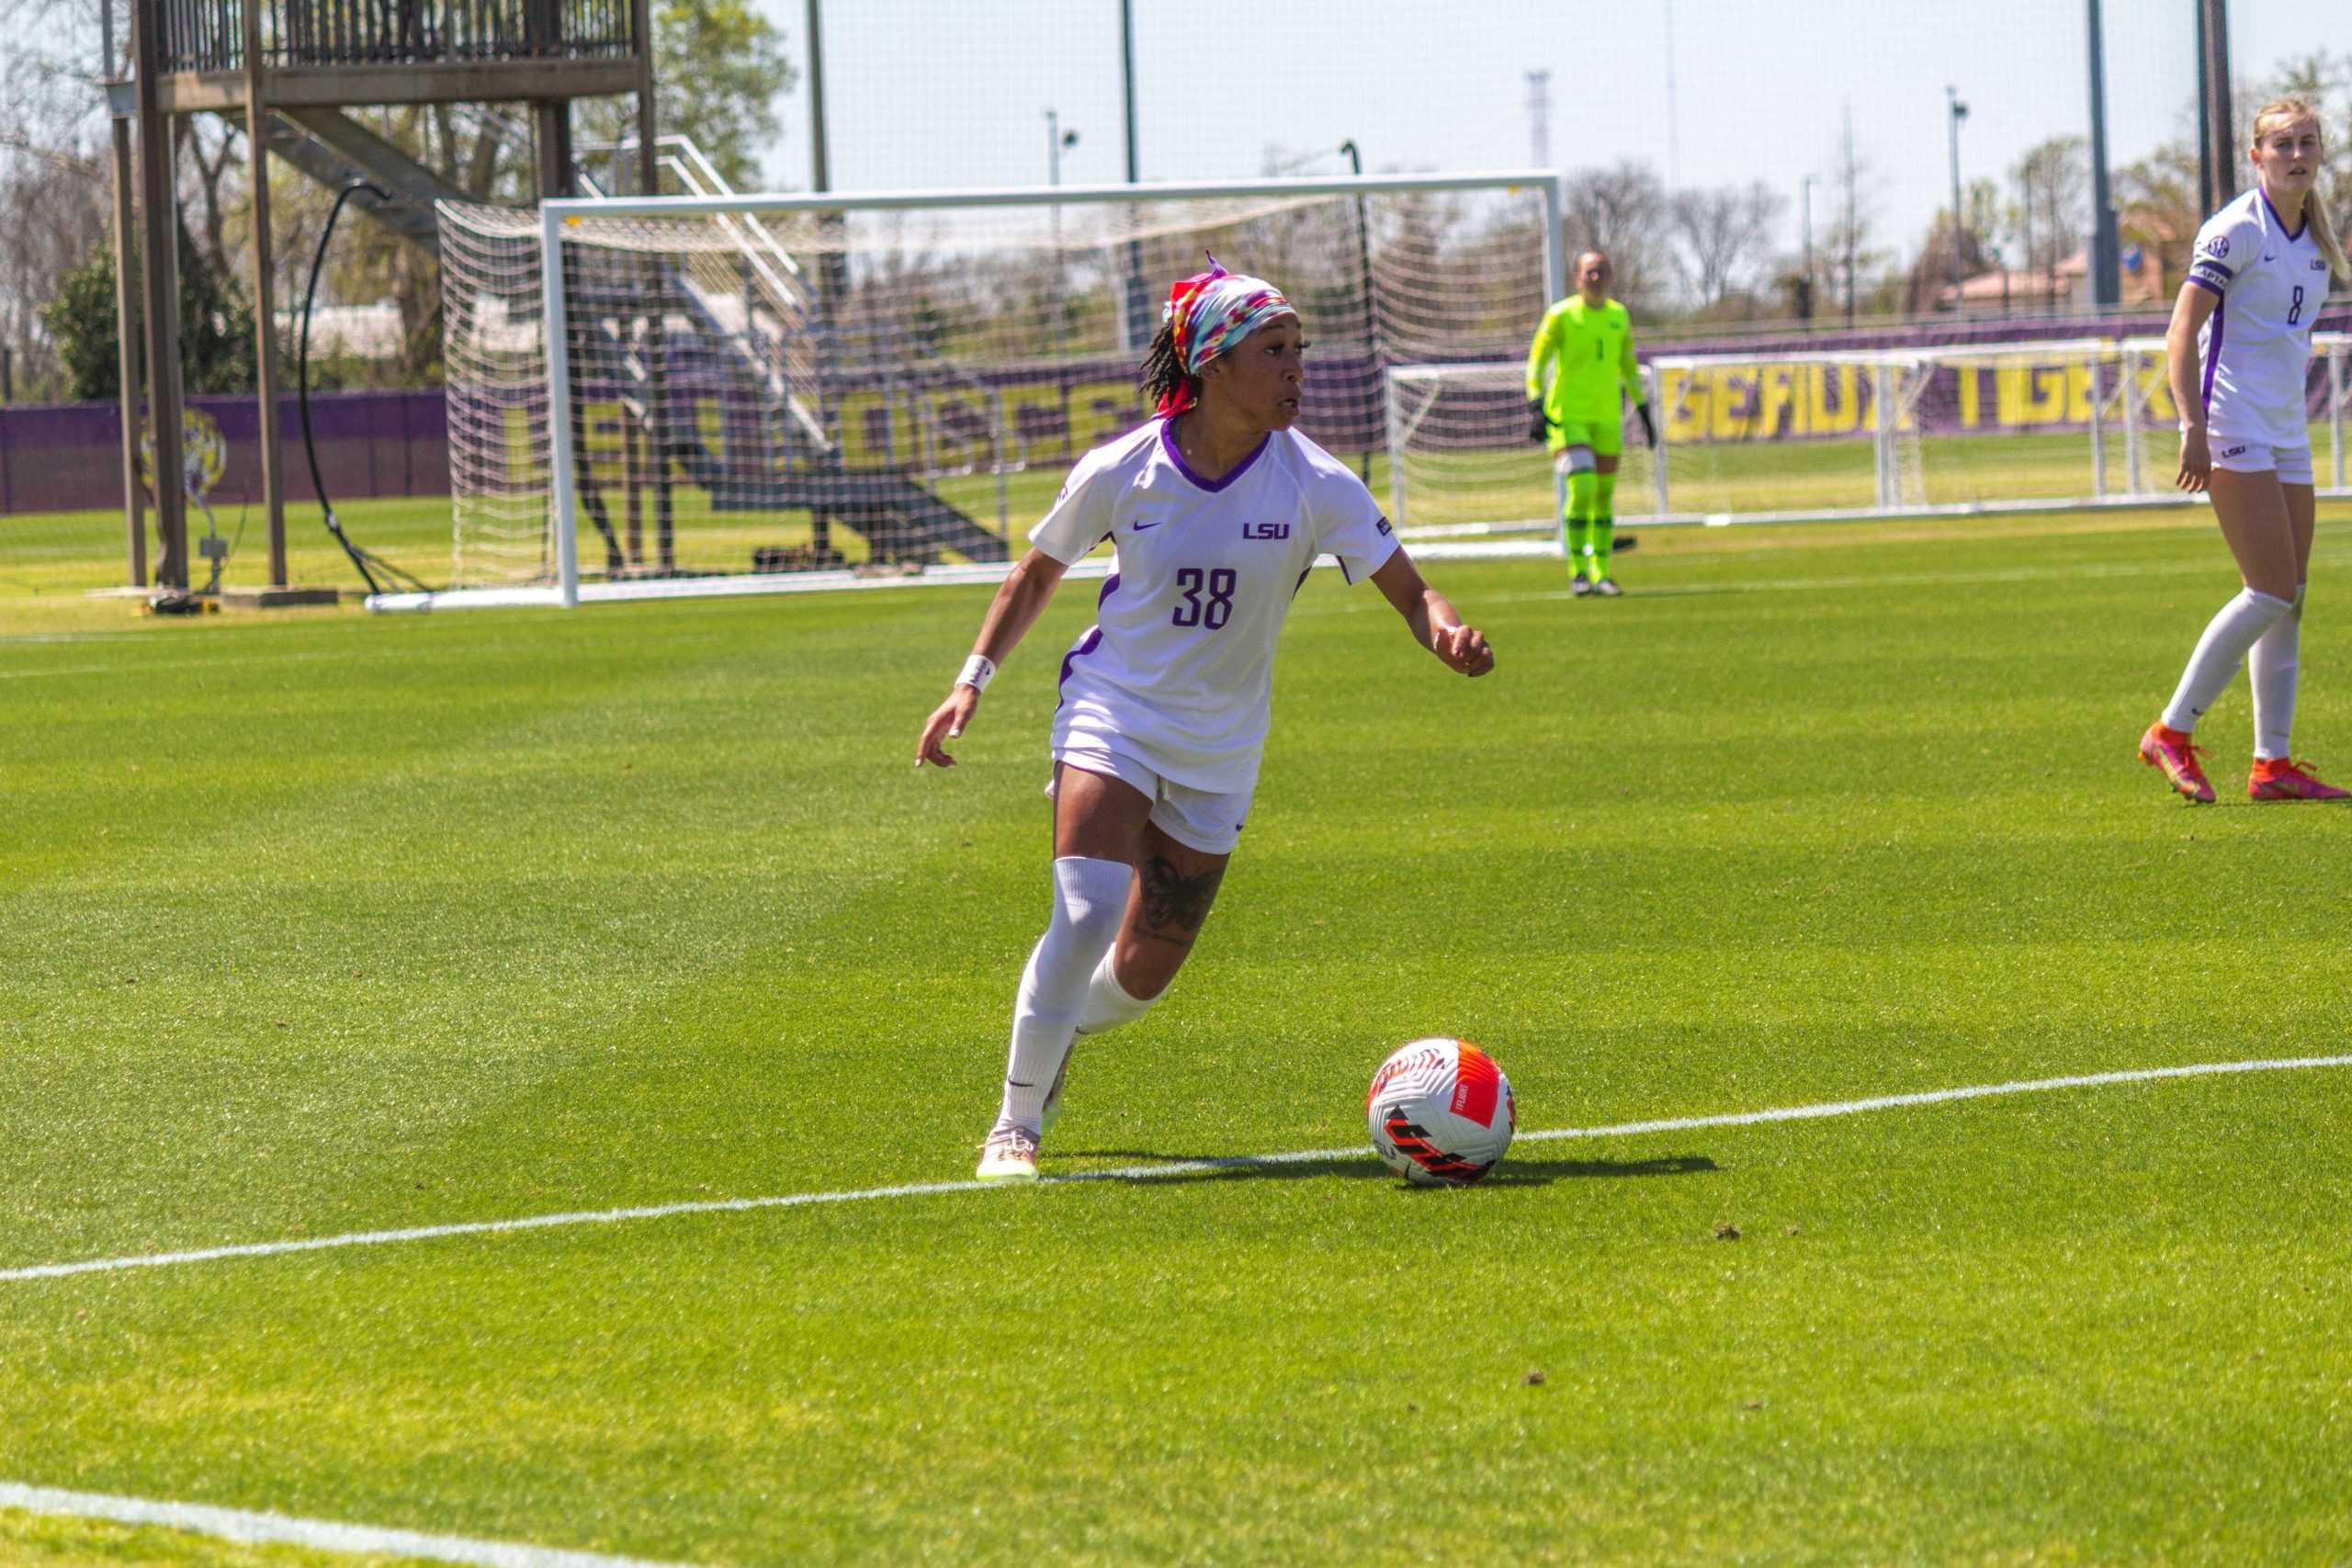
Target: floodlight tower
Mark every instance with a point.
(1958, 112)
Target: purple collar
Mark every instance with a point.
(1168, 444)
(2295, 234)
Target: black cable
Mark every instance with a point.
(359, 558)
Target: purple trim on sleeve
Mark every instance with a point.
(2213, 354)
(1168, 444)
(2291, 233)
(2206, 284)
(1393, 546)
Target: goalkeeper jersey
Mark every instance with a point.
(1586, 355)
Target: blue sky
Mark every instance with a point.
(952, 93)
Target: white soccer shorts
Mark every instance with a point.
(2292, 463)
(1197, 819)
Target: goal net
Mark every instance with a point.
(1879, 432)
(727, 394)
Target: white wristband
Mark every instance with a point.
(979, 671)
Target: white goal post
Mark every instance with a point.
(728, 394)
(1797, 436)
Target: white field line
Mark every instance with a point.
(323, 1535)
(1155, 1172)
(1981, 576)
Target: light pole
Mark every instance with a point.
(1804, 207)
(1371, 367)
(1056, 140)
(1959, 111)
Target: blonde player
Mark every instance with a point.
(2261, 269)
(1216, 512)
(1580, 369)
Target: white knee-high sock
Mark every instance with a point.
(1108, 1005)
(2271, 663)
(2227, 636)
(1090, 898)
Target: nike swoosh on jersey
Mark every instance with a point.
(2272, 256)
(1153, 524)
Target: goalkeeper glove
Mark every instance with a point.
(1649, 430)
(1539, 423)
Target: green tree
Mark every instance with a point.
(216, 327)
(719, 67)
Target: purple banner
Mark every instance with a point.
(67, 456)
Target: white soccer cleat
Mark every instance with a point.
(1010, 1155)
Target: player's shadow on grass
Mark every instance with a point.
(1512, 1172)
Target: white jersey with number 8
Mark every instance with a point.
(2257, 346)
(1179, 667)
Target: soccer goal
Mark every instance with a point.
(725, 394)
(1879, 432)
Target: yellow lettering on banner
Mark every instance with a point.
(1972, 413)
(2031, 394)
(710, 427)
(1101, 410)
(2078, 394)
(1684, 398)
(1823, 417)
(600, 438)
(520, 459)
(866, 441)
(2156, 381)
(1020, 400)
(1731, 402)
(1773, 400)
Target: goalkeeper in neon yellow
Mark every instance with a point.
(1578, 370)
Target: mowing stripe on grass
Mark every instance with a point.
(1156, 1172)
(1963, 579)
(324, 1535)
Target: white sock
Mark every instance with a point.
(1108, 1005)
(2271, 663)
(1089, 898)
(2227, 636)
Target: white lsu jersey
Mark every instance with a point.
(1180, 664)
(2256, 346)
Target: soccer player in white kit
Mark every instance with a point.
(1217, 510)
(2260, 272)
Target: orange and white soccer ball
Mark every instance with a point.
(1441, 1112)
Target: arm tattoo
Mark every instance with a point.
(1175, 905)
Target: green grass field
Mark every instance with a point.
(66, 553)
(321, 923)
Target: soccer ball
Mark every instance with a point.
(1441, 1112)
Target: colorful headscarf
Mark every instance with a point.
(1213, 310)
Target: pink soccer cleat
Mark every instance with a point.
(2170, 751)
(2277, 778)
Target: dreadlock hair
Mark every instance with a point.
(1163, 373)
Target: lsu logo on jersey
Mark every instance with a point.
(2237, 451)
(1265, 530)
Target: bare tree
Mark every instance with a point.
(54, 183)
(1622, 211)
(1723, 238)
(2052, 217)
(1854, 223)
(56, 212)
